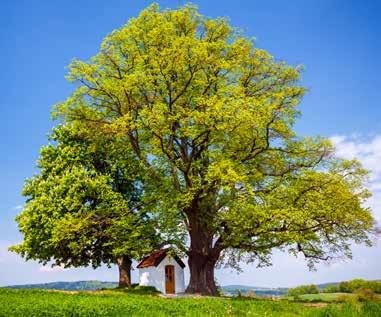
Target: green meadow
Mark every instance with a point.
(113, 303)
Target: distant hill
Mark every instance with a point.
(94, 285)
(324, 285)
(70, 286)
(264, 291)
(261, 291)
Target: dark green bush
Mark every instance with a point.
(303, 289)
(357, 284)
(354, 285)
(137, 289)
(365, 295)
(332, 289)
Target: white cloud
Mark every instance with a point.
(18, 207)
(49, 269)
(5, 255)
(368, 151)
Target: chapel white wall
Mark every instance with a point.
(155, 276)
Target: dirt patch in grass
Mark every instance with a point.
(317, 305)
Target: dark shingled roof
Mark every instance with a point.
(156, 257)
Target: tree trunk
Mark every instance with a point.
(124, 265)
(201, 275)
(202, 257)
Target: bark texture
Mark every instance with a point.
(201, 275)
(124, 265)
(202, 258)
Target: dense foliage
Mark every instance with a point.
(303, 289)
(82, 207)
(33, 303)
(353, 286)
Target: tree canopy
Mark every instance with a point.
(82, 207)
(210, 119)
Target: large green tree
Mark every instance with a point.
(82, 207)
(210, 118)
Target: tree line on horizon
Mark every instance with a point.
(351, 286)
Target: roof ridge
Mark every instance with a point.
(155, 258)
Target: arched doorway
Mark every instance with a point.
(169, 279)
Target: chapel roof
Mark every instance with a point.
(155, 258)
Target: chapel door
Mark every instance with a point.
(169, 279)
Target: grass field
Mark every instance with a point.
(322, 297)
(112, 303)
(327, 297)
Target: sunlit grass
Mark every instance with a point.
(114, 303)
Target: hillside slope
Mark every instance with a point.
(70, 286)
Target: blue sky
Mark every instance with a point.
(338, 42)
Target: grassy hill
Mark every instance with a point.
(32, 302)
(324, 285)
(70, 286)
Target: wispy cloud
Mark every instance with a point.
(49, 269)
(367, 149)
(5, 255)
(18, 207)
